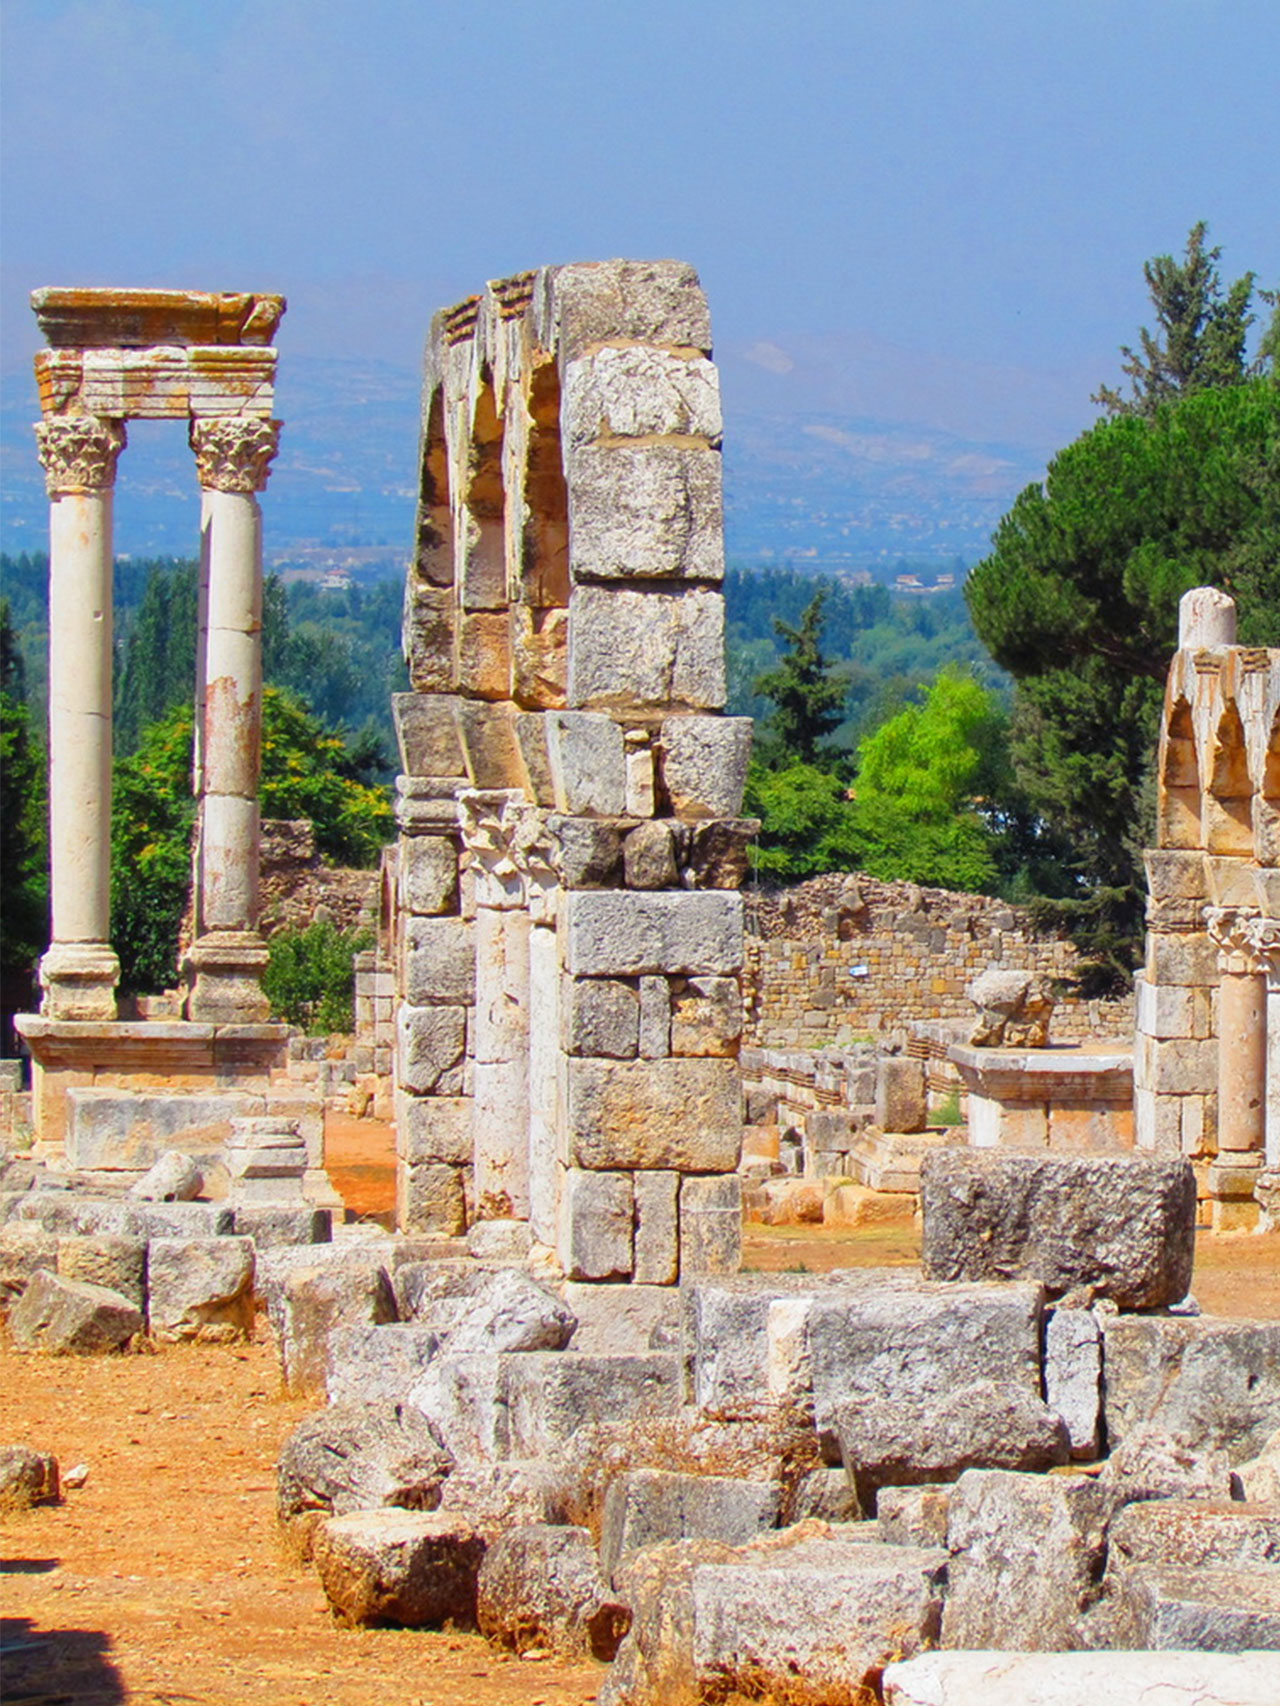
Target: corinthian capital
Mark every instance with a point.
(234, 453)
(1233, 931)
(1264, 941)
(79, 453)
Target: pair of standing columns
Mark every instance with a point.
(80, 970)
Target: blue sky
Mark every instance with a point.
(928, 211)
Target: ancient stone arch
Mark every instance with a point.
(567, 931)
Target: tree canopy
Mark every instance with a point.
(808, 696)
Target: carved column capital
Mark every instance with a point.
(234, 453)
(79, 453)
(1264, 942)
(513, 854)
(1233, 931)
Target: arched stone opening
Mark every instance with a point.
(428, 602)
(1179, 798)
(540, 605)
(1266, 805)
(483, 651)
(1228, 825)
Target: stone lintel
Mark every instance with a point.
(90, 318)
(161, 383)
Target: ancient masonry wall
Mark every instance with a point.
(841, 958)
(562, 906)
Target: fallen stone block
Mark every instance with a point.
(277, 1263)
(271, 1225)
(1205, 1609)
(648, 1507)
(1259, 1477)
(1026, 1559)
(25, 1249)
(1194, 1532)
(175, 1177)
(628, 1320)
(913, 1516)
(180, 1220)
(1122, 1225)
(799, 1613)
(497, 1497)
(509, 1311)
(63, 1317)
(200, 1288)
(117, 1262)
(1073, 1377)
(1211, 1383)
(1067, 1679)
(823, 1494)
(541, 1586)
(1149, 1464)
(988, 1424)
(68, 1213)
(552, 1395)
(27, 1477)
(316, 1301)
(357, 1456)
(377, 1364)
(417, 1569)
(466, 1399)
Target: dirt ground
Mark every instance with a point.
(162, 1579)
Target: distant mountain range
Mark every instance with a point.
(815, 489)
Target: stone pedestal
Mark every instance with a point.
(80, 971)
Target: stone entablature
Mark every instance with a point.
(1207, 1055)
(567, 931)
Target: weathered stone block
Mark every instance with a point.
(645, 512)
(1064, 1679)
(900, 1094)
(683, 1114)
(413, 1568)
(1206, 1609)
(427, 633)
(657, 1228)
(717, 852)
(1073, 1376)
(1213, 1383)
(1124, 1225)
(27, 1478)
(646, 302)
(200, 1288)
(439, 961)
(625, 1320)
(377, 1364)
(271, 1225)
(631, 648)
(590, 852)
(119, 1263)
(540, 1586)
(588, 763)
(1194, 1532)
(1186, 959)
(702, 763)
(710, 1225)
(706, 1016)
(431, 1199)
(482, 658)
(317, 1299)
(173, 1178)
(539, 667)
(507, 1310)
(596, 1225)
(912, 1516)
(649, 856)
(639, 392)
(430, 1043)
(25, 1248)
(649, 1506)
(433, 1128)
(428, 874)
(465, 1400)
(600, 1016)
(553, 1395)
(427, 734)
(62, 1317)
(610, 934)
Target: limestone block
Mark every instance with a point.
(540, 1586)
(657, 1228)
(428, 634)
(645, 302)
(1204, 1609)
(645, 512)
(1026, 1556)
(427, 734)
(1258, 1479)
(431, 1199)
(431, 1045)
(428, 875)
(702, 763)
(488, 736)
(1122, 1225)
(989, 1424)
(626, 1320)
(608, 934)
(1073, 1377)
(596, 1225)
(483, 653)
(466, 1401)
(272, 1225)
(590, 852)
(63, 1317)
(906, 1341)
(553, 1395)
(27, 1478)
(716, 853)
(649, 1506)
(900, 1094)
(131, 1130)
(683, 1114)
(539, 660)
(439, 961)
(408, 1567)
(913, 1516)
(119, 1263)
(1213, 1383)
(827, 1495)
(1182, 1067)
(641, 782)
(433, 1128)
(725, 1333)
(641, 648)
(376, 1364)
(588, 763)
(25, 1248)
(638, 392)
(710, 1225)
(175, 1177)
(1194, 1532)
(1150, 1463)
(649, 856)
(317, 1299)
(498, 1497)
(1188, 958)
(1066, 1679)
(600, 1016)
(507, 1310)
(706, 1016)
(655, 1018)
(200, 1288)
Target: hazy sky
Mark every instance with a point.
(919, 210)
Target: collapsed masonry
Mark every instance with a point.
(562, 904)
(1207, 1045)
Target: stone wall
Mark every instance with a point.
(844, 957)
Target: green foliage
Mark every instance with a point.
(1200, 342)
(24, 889)
(808, 823)
(157, 668)
(310, 977)
(808, 698)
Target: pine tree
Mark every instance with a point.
(808, 696)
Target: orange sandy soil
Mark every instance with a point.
(162, 1580)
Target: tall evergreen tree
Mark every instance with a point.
(807, 694)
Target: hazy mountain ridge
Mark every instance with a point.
(817, 488)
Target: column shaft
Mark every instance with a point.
(1242, 1062)
(501, 1112)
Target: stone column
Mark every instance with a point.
(1265, 940)
(80, 971)
(233, 456)
(1242, 1067)
(490, 824)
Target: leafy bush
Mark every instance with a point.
(310, 977)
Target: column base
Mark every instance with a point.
(79, 981)
(1232, 1180)
(225, 970)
